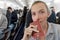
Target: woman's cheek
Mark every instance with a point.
(34, 18)
(45, 18)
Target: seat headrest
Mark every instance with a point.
(28, 19)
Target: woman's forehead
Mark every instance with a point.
(38, 6)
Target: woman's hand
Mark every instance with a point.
(28, 31)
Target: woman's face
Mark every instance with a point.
(39, 11)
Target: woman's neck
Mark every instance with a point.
(44, 26)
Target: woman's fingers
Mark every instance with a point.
(30, 29)
(33, 26)
(35, 30)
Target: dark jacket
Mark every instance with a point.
(52, 17)
(12, 17)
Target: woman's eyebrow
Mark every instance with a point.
(41, 10)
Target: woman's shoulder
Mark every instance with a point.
(55, 26)
(4, 17)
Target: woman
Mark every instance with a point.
(3, 24)
(40, 14)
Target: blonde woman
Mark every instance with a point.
(47, 31)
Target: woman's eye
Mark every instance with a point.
(34, 13)
(41, 12)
